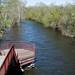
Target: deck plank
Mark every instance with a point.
(25, 56)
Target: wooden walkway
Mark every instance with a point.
(23, 54)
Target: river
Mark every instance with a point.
(55, 54)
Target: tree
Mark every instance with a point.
(10, 13)
(58, 17)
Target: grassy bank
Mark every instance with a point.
(57, 17)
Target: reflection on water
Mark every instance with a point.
(55, 54)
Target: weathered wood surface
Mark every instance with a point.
(25, 56)
(22, 52)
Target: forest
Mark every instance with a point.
(10, 13)
(60, 17)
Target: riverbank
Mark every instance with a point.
(60, 18)
(1, 34)
(56, 28)
(3, 31)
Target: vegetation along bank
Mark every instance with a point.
(61, 18)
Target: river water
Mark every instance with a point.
(55, 54)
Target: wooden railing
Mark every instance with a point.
(7, 61)
(23, 45)
(18, 45)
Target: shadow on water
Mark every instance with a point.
(55, 54)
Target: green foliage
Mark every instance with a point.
(7, 23)
(10, 11)
(61, 17)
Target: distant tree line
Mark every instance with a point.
(61, 18)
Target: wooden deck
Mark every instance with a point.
(6, 58)
(23, 55)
